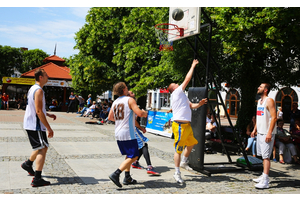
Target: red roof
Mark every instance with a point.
(53, 58)
(54, 71)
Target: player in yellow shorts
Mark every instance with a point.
(182, 140)
(182, 116)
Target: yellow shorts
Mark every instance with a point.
(183, 135)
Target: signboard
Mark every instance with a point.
(21, 81)
(31, 81)
(159, 123)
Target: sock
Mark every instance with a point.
(177, 170)
(118, 172)
(127, 174)
(38, 175)
(184, 159)
(265, 175)
(29, 162)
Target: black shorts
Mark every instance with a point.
(38, 139)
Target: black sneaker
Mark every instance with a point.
(39, 182)
(28, 169)
(115, 178)
(129, 181)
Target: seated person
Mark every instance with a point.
(295, 132)
(251, 140)
(91, 109)
(211, 126)
(53, 104)
(97, 111)
(283, 140)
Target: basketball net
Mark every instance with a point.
(164, 44)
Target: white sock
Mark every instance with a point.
(184, 159)
(177, 170)
(265, 175)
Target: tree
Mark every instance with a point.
(32, 59)
(10, 59)
(259, 45)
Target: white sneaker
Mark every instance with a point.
(185, 166)
(177, 177)
(263, 184)
(257, 180)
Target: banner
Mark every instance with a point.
(159, 123)
(31, 81)
(21, 81)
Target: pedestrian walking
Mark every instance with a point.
(35, 123)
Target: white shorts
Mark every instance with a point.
(264, 149)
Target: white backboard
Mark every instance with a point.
(190, 22)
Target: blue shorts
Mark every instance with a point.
(129, 148)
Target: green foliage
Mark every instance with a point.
(259, 45)
(32, 59)
(10, 58)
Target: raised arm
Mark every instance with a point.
(189, 75)
(133, 106)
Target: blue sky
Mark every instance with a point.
(42, 28)
(37, 25)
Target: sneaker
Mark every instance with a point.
(115, 178)
(136, 165)
(274, 160)
(150, 170)
(129, 181)
(39, 182)
(177, 177)
(263, 184)
(185, 166)
(257, 180)
(28, 169)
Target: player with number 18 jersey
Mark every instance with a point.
(124, 119)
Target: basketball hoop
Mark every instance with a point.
(163, 30)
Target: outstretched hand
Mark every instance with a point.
(203, 101)
(195, 62)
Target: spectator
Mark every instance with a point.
(53, 105)
(5, 101)
(251, 140)
(71, 102)
(89, 101)
(295, 132)
(0, 101)
(91, 109)
(97, 111)
(81, 102)
(294, 114)
(211, 126)
(279, 113)
(104, 112)
(284, 140)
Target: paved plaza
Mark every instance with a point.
(81, 157)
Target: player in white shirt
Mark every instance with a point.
(265, 127)
(36, 124)
(181, 127)
(123, 112)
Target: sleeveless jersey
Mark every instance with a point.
(124, 119)
(180, 105)
(31, 120)
(263, 118)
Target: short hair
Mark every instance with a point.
(280, 120)
(118, 88)
(37, 73)
(268, 87)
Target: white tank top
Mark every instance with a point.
(263, 118)
(180, 105)
(31, 120)
(124, 119)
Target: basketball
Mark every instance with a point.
(177, 14)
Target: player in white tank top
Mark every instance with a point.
(265, 126)
(124, 119)
(31, 120)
